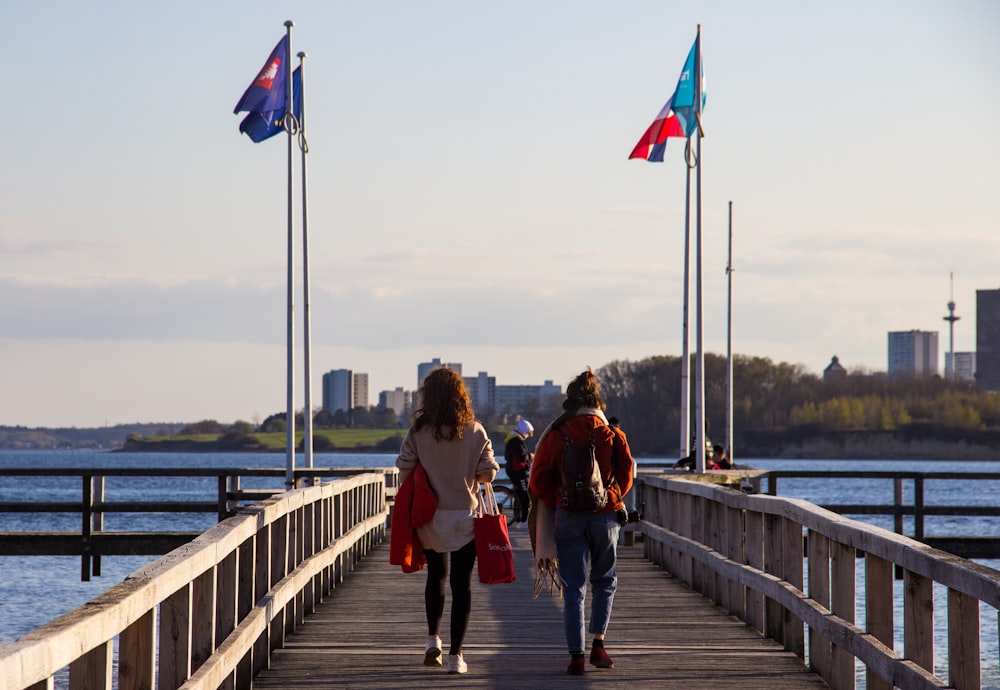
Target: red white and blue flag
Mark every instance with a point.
(266, 94)
(679, 116)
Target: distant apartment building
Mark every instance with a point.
(913, 352)
(344, 390)
(425, 368)
(482, 389)
(988, 339)
(964, 366)
(515, 399)
(399, 401)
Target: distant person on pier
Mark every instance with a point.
(720, 461)
(518, 464)
(456, 454)
(586, 541)
(690, 462)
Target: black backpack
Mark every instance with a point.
(581, 489)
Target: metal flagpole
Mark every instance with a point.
(699, 333)
(686, 337)
(729, 343)
(290, 310)
(307, 438)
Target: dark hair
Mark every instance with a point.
(583, 391)
(444, 405)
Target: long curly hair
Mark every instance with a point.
(583, 391)
(444, 405)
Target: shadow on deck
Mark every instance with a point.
(370, 633)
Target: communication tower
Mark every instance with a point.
(949, 364)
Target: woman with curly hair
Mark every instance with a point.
(456, 453)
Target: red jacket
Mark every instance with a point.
(415, 506)
(545, 475)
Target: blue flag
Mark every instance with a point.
(678, 117)
(267, 91)
(689, 96)
(261, 126)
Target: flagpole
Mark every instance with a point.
(729, 342)
(307, 439)
(290, 307)
(699, 333)
(686, 337)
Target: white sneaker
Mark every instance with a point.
(432, 652)
(456, 664)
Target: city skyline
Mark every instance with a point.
(475, 202)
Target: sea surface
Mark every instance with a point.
(36, 589)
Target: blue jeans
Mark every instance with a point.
(586, 544)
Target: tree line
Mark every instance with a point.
(774, 404)
(787, 401)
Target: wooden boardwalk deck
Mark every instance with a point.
(370, 633)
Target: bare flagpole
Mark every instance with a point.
(699, 333)
(686, 337)
(307, 438)
(729, 342)
(290, 310)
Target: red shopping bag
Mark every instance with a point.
(494, 555)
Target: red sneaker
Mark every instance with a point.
(600, 658)
(577, 666)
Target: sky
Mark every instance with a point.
(470, 193)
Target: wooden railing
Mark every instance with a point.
(965, 545)
(786, 567)
(92, 541)
(208, 614)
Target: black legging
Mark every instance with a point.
(519, 483)
(461, 592)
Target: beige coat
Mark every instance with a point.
(454, 469)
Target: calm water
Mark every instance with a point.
(34, 590)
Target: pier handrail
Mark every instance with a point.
(750, 553)
(211, 611)
(92, 541)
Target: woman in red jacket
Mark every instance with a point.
(585, 538)
(456, 453)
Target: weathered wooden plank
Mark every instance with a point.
(918, 619)
(662, 634)
(879, 610)
(963, 641)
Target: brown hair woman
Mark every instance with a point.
(456, 453)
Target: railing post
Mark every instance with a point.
(774, 616)
(97, 520)
(820, 653)
(87, 510)
(137, 654)
(203, 600)
(754, 541)
(92, 671)
(222, 499)
(734, 551)
(963, 641)
(918, 508)
(843, 601)
(918, 619)
(175, 639)
(792, 571)
(878, 610)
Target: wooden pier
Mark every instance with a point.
(370, 633)
(296, 591)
